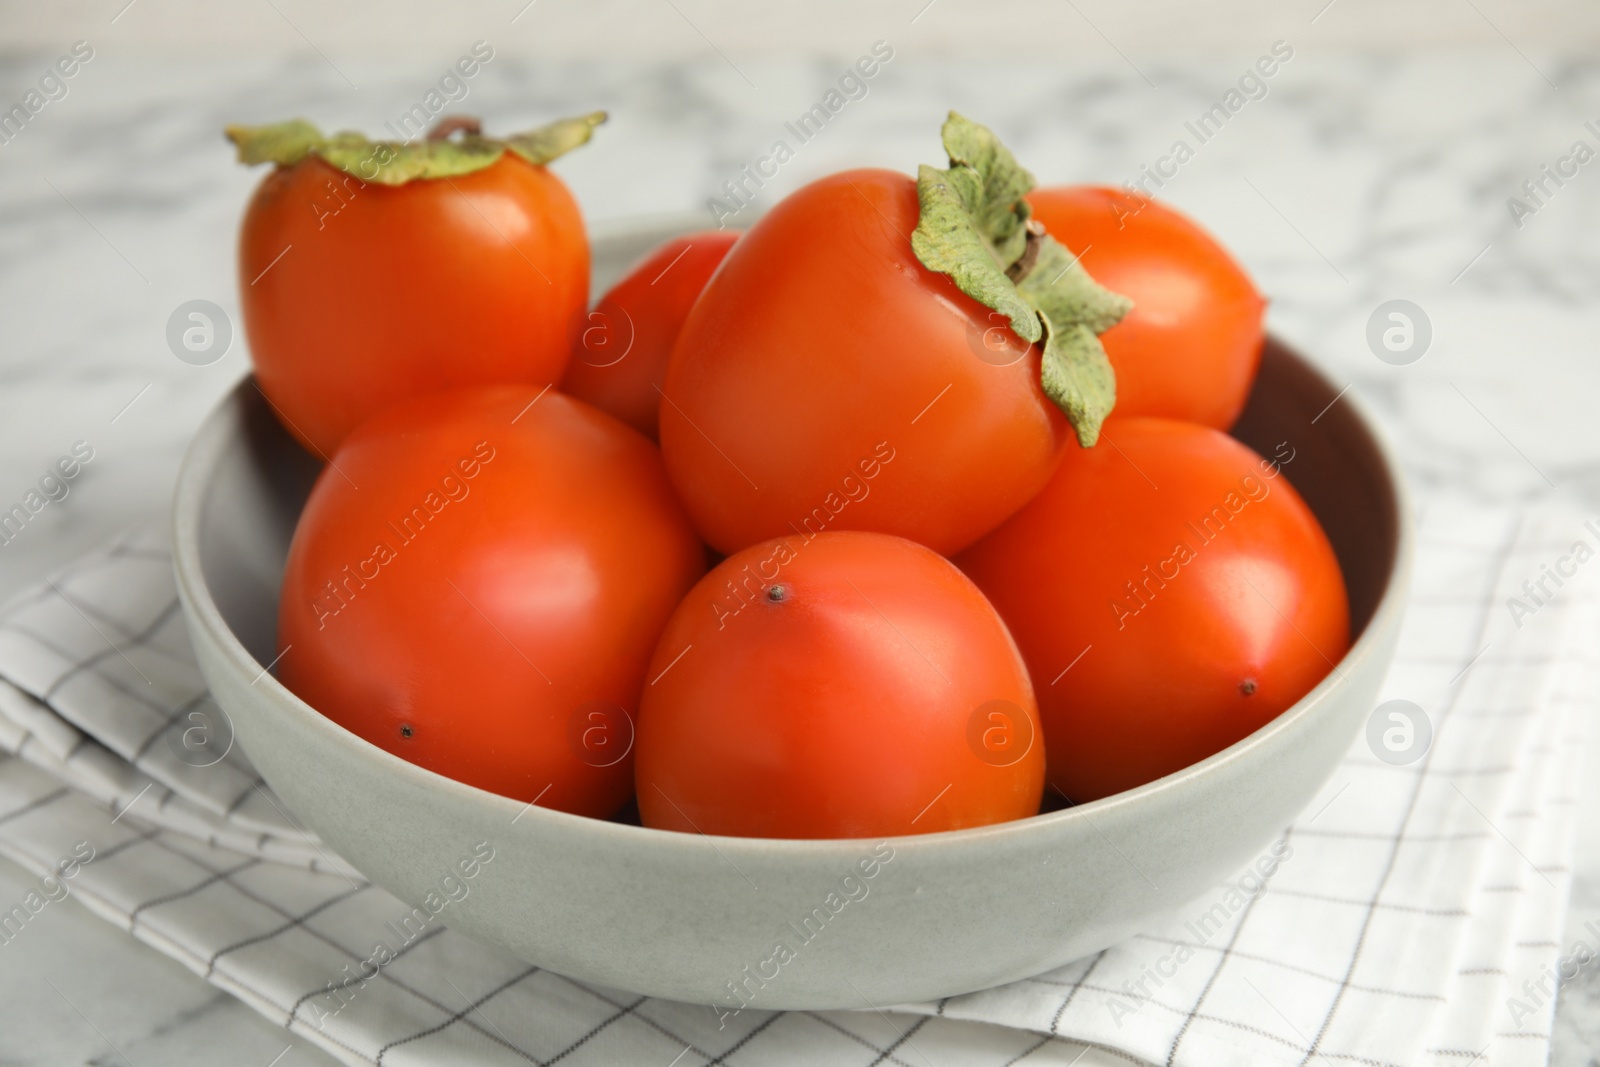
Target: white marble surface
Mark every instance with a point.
(685, 28)
(1355, 181)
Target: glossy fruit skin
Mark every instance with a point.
(484, 646)
(387, 292)
(823, 342)
(1191, 655)
(619, 362)
(843, 706)
(1190, 347)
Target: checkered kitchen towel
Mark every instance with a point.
(1412, 915)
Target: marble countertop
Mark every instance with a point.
(1352, 182)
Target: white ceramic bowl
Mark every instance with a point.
(685, 916)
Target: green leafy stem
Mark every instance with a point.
(975, 226)
(398, 162)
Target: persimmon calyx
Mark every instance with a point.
(976, 226)
(398, 162)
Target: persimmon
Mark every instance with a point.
(372, 271)
(869, 314)
(1171, 595)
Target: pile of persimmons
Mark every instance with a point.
(911, 508)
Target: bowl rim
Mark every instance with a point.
(204, 455)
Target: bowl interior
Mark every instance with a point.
(1337, 466)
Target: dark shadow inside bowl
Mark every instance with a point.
(1338, 467)
(247, 521)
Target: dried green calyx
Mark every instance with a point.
(975, 227)
(398, 162)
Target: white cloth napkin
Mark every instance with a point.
(1411, 915)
